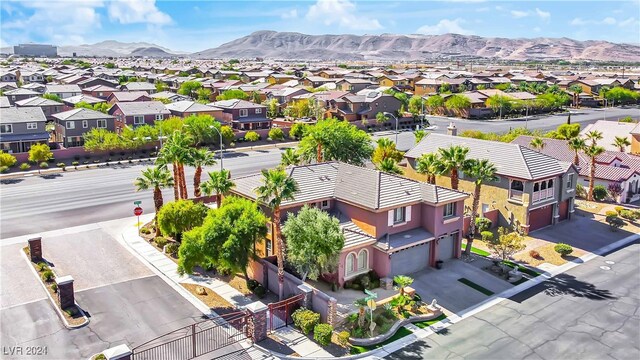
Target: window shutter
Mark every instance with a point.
(408, 213)
(390, 218)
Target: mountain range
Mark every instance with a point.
(297, 46)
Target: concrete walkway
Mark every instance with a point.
(299, 343)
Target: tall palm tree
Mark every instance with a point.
(219, 183)
(390, 166)
(576, 90)
(199, 158)
(277, 187)
(427, 164)
(593, 151)
(290, 157)
(482, 171)
(537, 143)
(317, 135)
(176, 151)
(594, 136)
(156, 178)
(452, 159)
(621, 142)
(576, 144)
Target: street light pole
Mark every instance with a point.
(387, 114)
(221, 154)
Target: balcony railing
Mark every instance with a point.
(542, 195)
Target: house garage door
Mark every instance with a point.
(540, 217)
(410, 260)
(446, 247)
(563, 210)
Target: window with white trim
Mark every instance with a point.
(258, 111)
(159, 117)
(569, 181)
(101, 123)
(70, 125)
(6, 129)
(32, 126)
(399, 215)
(449, 210)
(244, 112)
(85, 124)
(138, 120)
(324, 204)
(350, 264)
(363, 260)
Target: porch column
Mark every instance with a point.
(35, 249)
(257, 329)
(308, 293)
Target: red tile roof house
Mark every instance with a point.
(138, 113)
(392, 225)
(243, 115)
(611, 166)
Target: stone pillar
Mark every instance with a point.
(308, 295)
(386, 283)
(120, 352)
(35, 249)
(452, 130)
(65, 291)
(332, 308)
(257, 329)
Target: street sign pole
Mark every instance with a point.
(137, 211)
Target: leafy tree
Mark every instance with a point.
(444, 88)
(219, 183)
(53, 97)
(251, 136)
(381, 118)
(227, 134)
(499, 104)
(452, 159)
(419, 135)
(503, 87)
(428, 164)
(190, 88)
(227, 237)
(482, 171)
(290, 157)
(627, 119)
(200, 128)
(506, 244)
(621, 95)
(458, 104)
(537, 143)
(390, 166)
(276, 134)
(155, 178)
(416, 104)
(160, 86)
(39, 153)
(123, 79)
(203, 95)
(98, 139)
(277, 187)
(332, 139)
(386, 149)
(568, 131)
(179, 216)
(170, 125)
(6, 159)
(110, 65)
(272, 108)
(481, 87)
(314, 242)
(576, 144)
(435, 104)
(297, 131)
(615, 190)
(199, 158)
(232, 94)
(621, 142)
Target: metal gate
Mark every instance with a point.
(280, 312)
(197, 339)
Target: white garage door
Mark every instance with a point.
(446, 248)
(410, 260)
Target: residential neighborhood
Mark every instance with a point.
(461, 191)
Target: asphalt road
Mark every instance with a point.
(590, 312)
(36, 204)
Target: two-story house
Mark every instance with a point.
(71, 125)
(392, 224)
(139, 86)
(243, 115)
(533, 190)
(139, 113)
(99, 91)
(353, 85)
(21, 127)
(20, 94)
(128, 96)
(63, 91)
(49, 107)
(363, 107)
(188, 107)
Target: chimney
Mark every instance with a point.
(452, 129)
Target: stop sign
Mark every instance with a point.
(137, 211)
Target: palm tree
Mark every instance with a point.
(537, 143)
(176, 151)
(361, 303)
(199, 158)
(576, 90)
(390, 166)
(482, 171)
(427, 164)
(219, 183)
(621, 142)
(452, 159)
(402, 281)
(576, 144)
(290, 157)
(315, 133)
(594, 136)
(419, 135)
(593, 151)
(156, 178)
(277, 187)
(381, 118)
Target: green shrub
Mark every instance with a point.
(486, 235)
(42, 266)
(61, 165)
(357, 333)
(483, 224)
(322, 334)
(599, 192)
(161, 241)
(54, 287)
(343, 338)
(4, 169)
(48, 276)
(628, 215)
(352, 318)
(305, 320)
(75, 163)
(276, 134)
(580, 191)
(563, 249)
(172, 248)
(100, 357)
(252, 284)
(71, 311)
(610, 213)
(365, 282)
(260, 291)
(614, 222)
(384, 328)
(618, 209)
(251, 136)
(180, 216)
(25, 166)
(44, 165)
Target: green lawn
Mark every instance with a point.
(521, 268)
(402, 332)
(426, 324)
(476, 286)
(476, 251)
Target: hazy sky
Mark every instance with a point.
(198, 25)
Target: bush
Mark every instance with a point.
(276, 134)
(599, 192)
(563, 249)
(486, 235)
(252, 284)
(75, 163)
(580, 191)
(260, 291)
(305, 320)
(161, 241)
(365, 282)
(172, 248)
(534, 254)
(54, 287)
(180, 216)
(610, 213)
(483, 224)
(618, 209)
(48, 276)
(3, 169)
(251, 136)
(343, 338)
(145, 231)
(628, 215)
(42, 266)
(357, 333)
(614, 222)
(61, 165)
(322, 334)
(25, 166)
(44, 165)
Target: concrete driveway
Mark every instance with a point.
(443, 285)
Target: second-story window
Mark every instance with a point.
(399, 215)
(85, 124)
(6, 129)
(258, 111)
(102, 123)
(569, 181)
(515, 190)
(244, 112)
(449, 210)
(70, 125)
(32, 126)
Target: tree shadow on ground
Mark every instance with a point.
(50, 176)
(413, 351)
(565, 284)
(10, 181)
